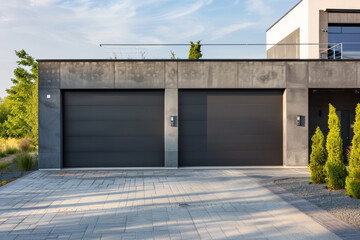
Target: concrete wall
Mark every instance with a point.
(295, 77)
(286, 51)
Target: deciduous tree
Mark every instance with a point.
(22, 119)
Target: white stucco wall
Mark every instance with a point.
(306, 16)
(297, 18)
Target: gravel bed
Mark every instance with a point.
(15, 172)
(335, 202)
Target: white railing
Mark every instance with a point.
(334, 52)
(338, 51)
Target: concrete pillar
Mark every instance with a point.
(49, 116)
(49, 128)
(171, 109)
(295, 138)
(171, 132)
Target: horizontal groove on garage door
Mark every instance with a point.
(122, 128)
(230, 127)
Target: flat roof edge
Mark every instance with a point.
(198, 60)
(330, 10)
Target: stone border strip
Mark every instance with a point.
(341, 229)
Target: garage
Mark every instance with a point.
(113, 128)
(230, 127)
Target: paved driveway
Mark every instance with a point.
(164, 204)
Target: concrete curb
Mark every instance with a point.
(321, 216)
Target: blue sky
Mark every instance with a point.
(75, 28)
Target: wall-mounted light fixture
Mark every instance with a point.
(173, 121)
(300, 121)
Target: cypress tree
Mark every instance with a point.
(195, 50)
(317, 157)
(353, 180)
(335, 168)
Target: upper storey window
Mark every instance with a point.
(344, 41)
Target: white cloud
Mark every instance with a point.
(259, 6)
(230, 29)
(42, 2)
(187, 10)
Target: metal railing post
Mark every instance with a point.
(341, 50)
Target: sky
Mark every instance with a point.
(73, 29)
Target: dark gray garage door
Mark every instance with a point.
(230, 127)
(114, 128)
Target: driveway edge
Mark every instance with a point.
(17, 180)
(340, 228)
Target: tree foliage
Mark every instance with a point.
(335, 168)
(317, 157)
(195, 50)
(353, 180)
(4, 113)
(22, 98)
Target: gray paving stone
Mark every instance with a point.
(214, 204)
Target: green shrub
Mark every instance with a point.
(336, 172)
(4, 183)
(24, 144)
(353, 180)
(317, 157)
(11, 151)
(195, 50)
(23, 162)
(3, 154)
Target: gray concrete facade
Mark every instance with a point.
(295, 77)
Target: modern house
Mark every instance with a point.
(324, 28)
(200, 113)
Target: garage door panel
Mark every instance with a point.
(103, 113)
(227, 143)
(226, 127)
(112, 98)
(218, 98)
(123, 128)
(242, 127)
(116, 159)
(214, 124)
(114, 128)
(94, 144)
(192, 112)
(230, 112)
(242, 158)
